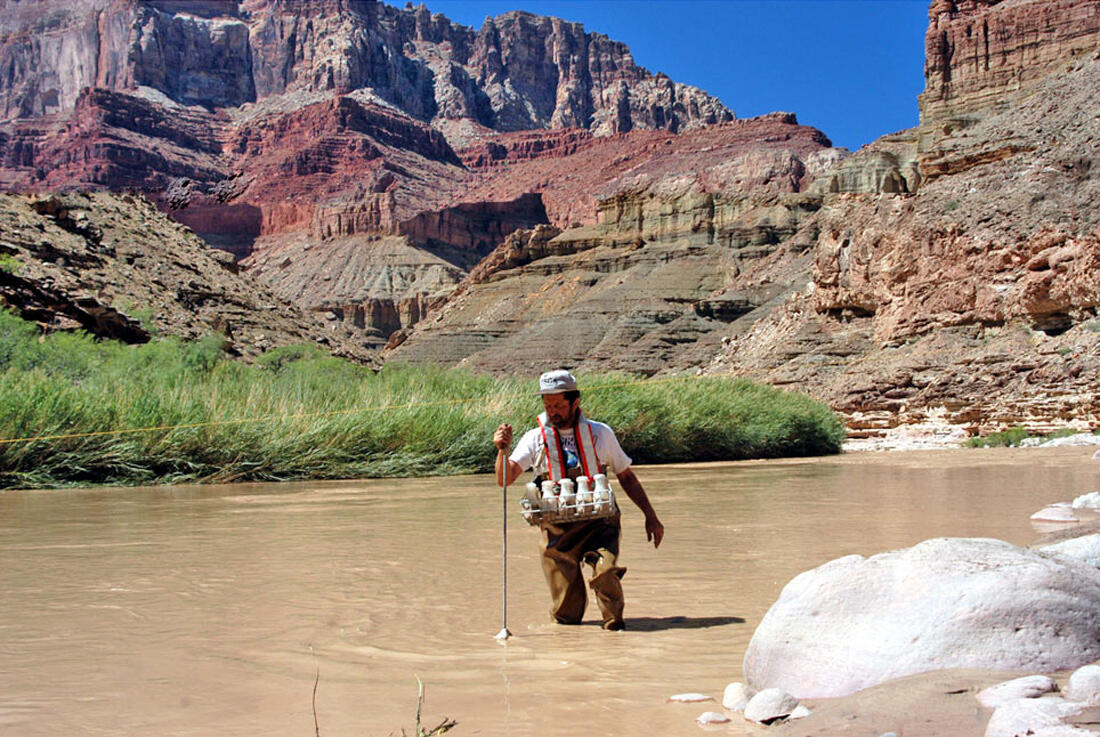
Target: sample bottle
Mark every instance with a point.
(533, 495)
(567, 498)
(549, 496)
(584, 496)
(602, 493)
(529, 512)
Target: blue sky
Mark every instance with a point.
(852, 68)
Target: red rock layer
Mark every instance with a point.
(765, 152)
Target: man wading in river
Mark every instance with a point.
(564, 444)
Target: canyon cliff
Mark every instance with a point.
(524, 195)
(272, 126)
(948, 272)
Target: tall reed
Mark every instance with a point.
(99, 412)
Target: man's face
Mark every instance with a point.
(560, 410)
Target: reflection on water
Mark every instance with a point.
(202, 610)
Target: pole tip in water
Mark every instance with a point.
(504, 634)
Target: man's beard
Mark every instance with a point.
(566, 423)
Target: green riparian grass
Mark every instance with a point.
(299, 413)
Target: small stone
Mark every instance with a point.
(800, 712)
(712, 717)
(769, 705)
(1084, 685)
(736, 696)
(1028, 687)
(689, 698)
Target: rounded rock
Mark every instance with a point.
(736, 696)
(712, 717)
(944, 603)
(1027, 716)
(1084, 685)
(1028, 687)
(1085, 549)
(1087, 501)
(1055, 513)
(769, 705)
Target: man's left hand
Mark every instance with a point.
(654, 531)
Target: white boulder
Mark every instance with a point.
(1087, 501)
(769, 705)
(1084, 685)
(736, 696)
(1028, 687)
(1085, 549)
(946, 603)
(1027, 716)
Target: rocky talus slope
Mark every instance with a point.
(115, 266)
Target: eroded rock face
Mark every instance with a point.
(974, 293)
(519, 71)
(983, 56)
(946, 603)
(652, 273)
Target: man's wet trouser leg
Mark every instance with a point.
(607, 586)
(563, 549)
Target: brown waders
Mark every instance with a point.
(564, 548)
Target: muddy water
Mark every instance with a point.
(211, 610)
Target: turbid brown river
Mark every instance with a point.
(210, 610)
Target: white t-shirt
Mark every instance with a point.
(608, 450)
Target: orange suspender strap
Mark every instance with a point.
(580, 450)
(561, 453)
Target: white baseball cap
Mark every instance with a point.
(557, 382)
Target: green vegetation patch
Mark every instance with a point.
(101, 412)
(10, 264)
